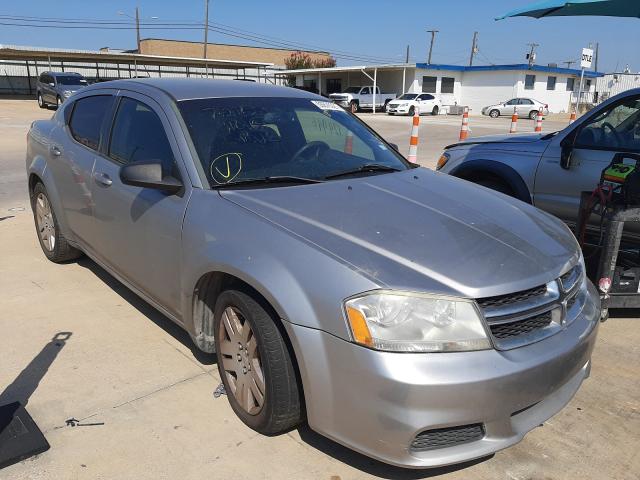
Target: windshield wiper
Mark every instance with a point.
(367, 167)
(282, 179)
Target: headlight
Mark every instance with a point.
(442, 161)
(414, 322)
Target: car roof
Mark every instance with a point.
(55, 74)
(194, 88)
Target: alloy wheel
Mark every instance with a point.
(241, 361)
(45, 222)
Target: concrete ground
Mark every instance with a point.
(135, 373)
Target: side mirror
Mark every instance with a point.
(149, 175)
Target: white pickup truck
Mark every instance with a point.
(356, 98)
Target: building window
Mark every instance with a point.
(571, 83)
(529, 82)
(334, 85)
(447, 85)
(551, 83)
(429, 84)
(587, 85)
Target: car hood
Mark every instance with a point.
(530, 142)
(421, 230)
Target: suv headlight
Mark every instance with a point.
(415, 322)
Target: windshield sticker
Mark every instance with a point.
(226, 167)
(327, 105)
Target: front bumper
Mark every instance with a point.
(401, 109)
(377, 402)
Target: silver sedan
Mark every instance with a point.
(412, 316)
(525, 107)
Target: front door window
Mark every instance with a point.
(616, 128)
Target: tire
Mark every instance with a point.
(495, 184)
(353, 106)
(281, 403)
(533, 114)
(41, 102)
(435, 110)
(53, 243)
(412, 111)
(494, 113)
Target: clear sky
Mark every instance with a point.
(373, 28)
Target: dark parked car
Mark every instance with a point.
(53, 88)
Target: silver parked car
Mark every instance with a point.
(550, 170)
(407, 314)
(53, 88)
(526, 107)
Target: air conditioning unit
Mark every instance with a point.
(552, 65)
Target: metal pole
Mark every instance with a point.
(206, 27)
(406, 60)
(375, 86)
(433, 38)
(49, 58)
(595, 58)
(29, 76)
(531, 52)
(138, 29)
(404, 83)
(579, 91)
(319, 83)
(473, 48)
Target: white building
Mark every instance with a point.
(475, 86)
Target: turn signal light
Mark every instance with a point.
(359, 328)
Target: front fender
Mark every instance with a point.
(304, 284)
(509, 175)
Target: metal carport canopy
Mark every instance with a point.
(357, 68)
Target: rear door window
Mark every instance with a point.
(87, 118)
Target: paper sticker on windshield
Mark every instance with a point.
(226, 167)
(327, 105)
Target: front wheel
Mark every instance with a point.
(41, 103)
(255, 365)
(412, 111)
(494, 113)
(353, 106)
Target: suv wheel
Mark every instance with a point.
(533, 114)
(255, 365)
(52, 241)
(494, 113)
(41, 103)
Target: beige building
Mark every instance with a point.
(219, 51)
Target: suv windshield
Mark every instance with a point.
(408, 96)
(70, 80)
(240, 139)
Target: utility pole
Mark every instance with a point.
(138, 28)
(474, 48)
(206, 27)
(433, 38)
(407, 56)
(595, 58)
(532, 53)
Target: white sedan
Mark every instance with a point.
(407, 103)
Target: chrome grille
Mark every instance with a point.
(510, 298)
(447, 437)
(520, 327)
(527, 316)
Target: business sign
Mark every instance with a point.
(587, 57)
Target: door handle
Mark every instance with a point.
(102, 179)
(55, 150)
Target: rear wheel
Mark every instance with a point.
(353, 106)
(533, 114)
(255, 365)
(435, 110)
(494, 113)
(53, 243)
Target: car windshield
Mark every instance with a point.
(245, 139)
(70, 80)
(352, 90)
(408, 96)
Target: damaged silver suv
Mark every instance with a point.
(404, 313)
